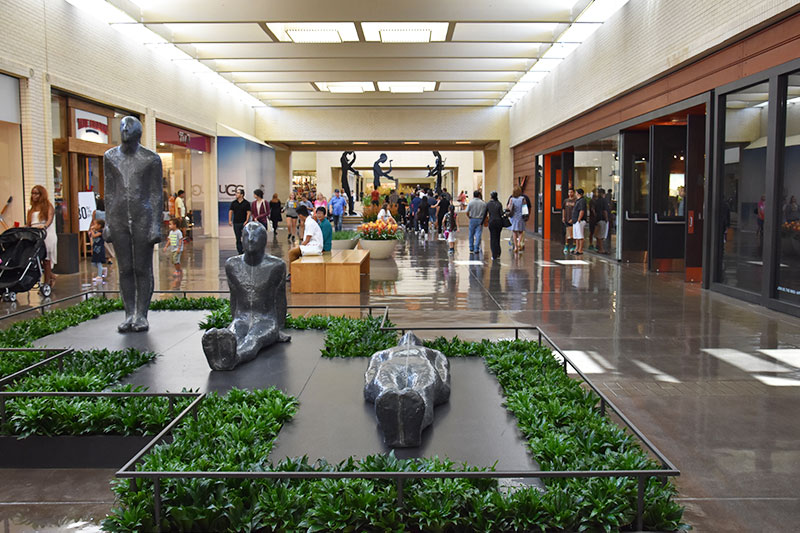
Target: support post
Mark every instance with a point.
(157, 503)
(640, 503)
(400, 482)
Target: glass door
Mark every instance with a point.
(667, 198)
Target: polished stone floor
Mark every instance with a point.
(713, 381)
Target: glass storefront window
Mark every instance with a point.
(788, 249)
(12, 195)
(743, 188)
(596, 168)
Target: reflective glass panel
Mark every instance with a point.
(788, 250)
(743, 200)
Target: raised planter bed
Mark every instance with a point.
(89, 451)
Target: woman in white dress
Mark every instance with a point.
(41, 215)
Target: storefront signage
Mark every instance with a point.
(167, 133)
(91, 127)
(86, 206)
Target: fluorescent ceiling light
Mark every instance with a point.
(578, 32)
(463, 142)
(102, 10)
(545, 65)
(345, 86)
(600, 10)
(560, 50)
(405, 32)
(533, 76)
(360, 142)
(411, 142)
(314, 32)
(405, 36)
(406, 86)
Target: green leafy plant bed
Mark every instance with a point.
(557, 416)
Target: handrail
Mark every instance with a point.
(58, 356)
(629, 218)
(669, 222)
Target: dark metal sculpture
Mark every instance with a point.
(347, 166)
(405, 382)
(377, 172)
(257, 283)
(134, 207)
(437, 170)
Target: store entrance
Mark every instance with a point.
(663, 193)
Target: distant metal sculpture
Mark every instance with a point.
(378, 173)
(405, 382)
(257, 283)
(437, 170)
(134, 208)
(347, 166)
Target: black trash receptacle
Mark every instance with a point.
(68, 254)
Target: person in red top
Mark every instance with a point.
(260, 209)
(376, 197)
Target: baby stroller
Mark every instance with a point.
(22, 252)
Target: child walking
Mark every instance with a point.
(175, 245)
(450, 227)
(98, 249)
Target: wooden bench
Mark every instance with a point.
(344, 271)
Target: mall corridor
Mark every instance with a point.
(710, 380)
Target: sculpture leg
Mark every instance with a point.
(127, 283)
(219, 345)
(143, 276)
(401, 414)
(262, 332)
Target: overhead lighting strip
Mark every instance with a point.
(128, 26)
(584, 25)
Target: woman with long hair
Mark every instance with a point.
(275, 213)
(260, 209)
(41, 215)
(515, 204)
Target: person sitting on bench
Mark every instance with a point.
(312, 236)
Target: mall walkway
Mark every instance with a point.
(713, 381)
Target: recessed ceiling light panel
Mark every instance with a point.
(345, 86)
(406, 86)
(405, 32)
(314, 32)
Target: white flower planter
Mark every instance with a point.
(379, 249)
(344, 244)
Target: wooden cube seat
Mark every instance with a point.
(344, 271)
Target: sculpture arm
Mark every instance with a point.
(155, 200)
(280, 296)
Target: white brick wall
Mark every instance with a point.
(68, 49)
(641, 40)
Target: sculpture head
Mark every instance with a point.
(254, 239)
(409, 339)
(437, 155)
(130, 130)
(383, 158)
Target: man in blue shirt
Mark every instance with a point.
(337, 205)
(321, 216)
(414, 208)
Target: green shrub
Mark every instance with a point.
(344, 235)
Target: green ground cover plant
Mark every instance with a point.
(87, 371)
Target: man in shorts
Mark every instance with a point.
(566, 218)
(579, 221)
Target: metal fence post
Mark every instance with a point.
(172, 407)
(516, 333)
(2, 410)
(157, 503)
(602, 406)
(540, 336)
(61, 362)
(640, 503)
(400, 482)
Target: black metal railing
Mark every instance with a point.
(641, 476)
(58, 357)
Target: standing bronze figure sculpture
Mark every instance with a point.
(437, 169)
(257, 283)
(405, 382)
(347, 166)
(377, 172)
(134, 207)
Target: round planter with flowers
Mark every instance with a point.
(379, 238)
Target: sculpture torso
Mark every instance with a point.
(253, 287)
(133, 193)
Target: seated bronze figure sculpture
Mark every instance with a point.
(257, 282)
(405, 382)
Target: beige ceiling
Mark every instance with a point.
(489, 45)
